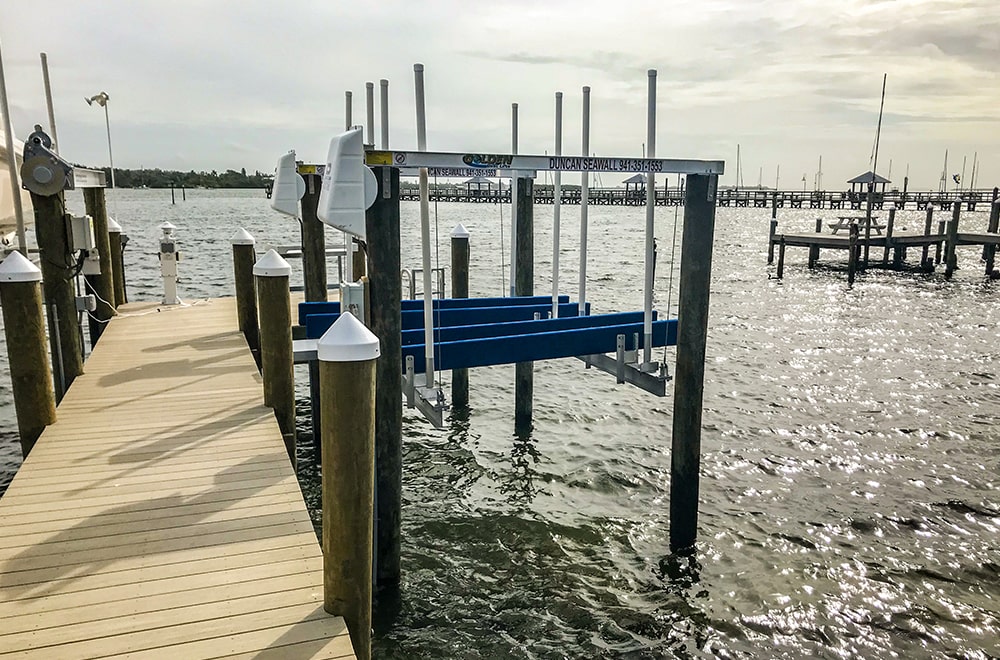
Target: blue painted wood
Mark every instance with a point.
(461, 332)
(306, 309)
(317, 324)
(541, 346)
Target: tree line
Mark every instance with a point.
(157, 178)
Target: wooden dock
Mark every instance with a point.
(160, 517)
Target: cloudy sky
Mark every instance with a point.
(223, 84)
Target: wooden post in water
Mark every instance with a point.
(382, 230)
(460, 289)
(272, 273)
(313, 242)
(888, 233)
(689, 374)
(814, 249)
(951, 257)
(781, 257)
(774, 205)
(24, 328)
(51, 232)
(852, 254)
(244, 258)
(102, 284)
(524, 377)
(117, 262)
(772, 230)
(938, 245)
(347, 355)
(993, 226)
(928, 223)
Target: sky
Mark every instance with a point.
(198, 85)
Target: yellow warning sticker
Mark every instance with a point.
(378, 158)
(307, 169)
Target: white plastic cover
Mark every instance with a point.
(288, 187)
(347, 340)
(343, 199)
(17, 268)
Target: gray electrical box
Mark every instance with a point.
(83, 232)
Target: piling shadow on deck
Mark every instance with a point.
(160, 517)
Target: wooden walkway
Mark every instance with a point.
(160, 517)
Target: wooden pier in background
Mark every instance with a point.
(159, 517)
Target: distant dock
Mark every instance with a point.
(160, 516)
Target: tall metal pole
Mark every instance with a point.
(370, 111)
(48, 103)
(111, 158)
(556, 205)
(513, 202)
(584, 202)
(425, 227)
(8, 131)
(647, 297)
(348, 110)
(384, 106)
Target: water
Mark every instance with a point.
(850, 454)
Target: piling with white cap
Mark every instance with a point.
(168, 263)
(244, 257)
(272, 274)
(460, 289)
(347, 355)
(24, 328)
(117, 244)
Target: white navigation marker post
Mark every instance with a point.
(384, 107)
(584, 201)
(425, 228)
(513, 200)
(647, 302)
(556, 203)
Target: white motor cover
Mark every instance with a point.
(289, 186)
(348, 185)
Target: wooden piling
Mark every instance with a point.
(772, 230)
(313, 242)
(347, 355)
(852, 254)
(460, 289)
(382, 230)
(928, 223)
(889, 224)
(992, 227)
(689, 375)
(781, 257)
(814, 249)
(524, 377)
(102, 285)
(24, 328)
(272, 273)
(117, 262)
(774, 205)
(939, 244)
(358, 264)
(58, 268)
(244, 258)
(951, 256)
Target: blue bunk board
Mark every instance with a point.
(489, 351)
(307, 309)
(461, 332)
(413, 319)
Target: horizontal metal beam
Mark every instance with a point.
(84, 178)
(507, 162)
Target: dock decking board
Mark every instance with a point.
(160, 517)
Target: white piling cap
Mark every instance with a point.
(242, 237)
(17, 268)
(272, 265)
(460, 231)
(347, 340)
(113, 226)
(167, 228)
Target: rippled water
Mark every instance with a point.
(850, 491)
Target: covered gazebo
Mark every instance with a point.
(475, 186)
(635, 184)
(862, 183)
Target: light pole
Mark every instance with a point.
(102, 100)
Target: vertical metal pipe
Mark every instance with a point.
(689, 378)
(370, 111)
(48, 102)
(425, 227)
(513, 201)
(384, 107)
(647, 294)
(111, 158)
(556, 206)
(8, 131)
(348, 110)
(584, 203)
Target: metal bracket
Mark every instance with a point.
(428, 400)
(625, 368)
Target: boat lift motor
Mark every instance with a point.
(169, 256)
